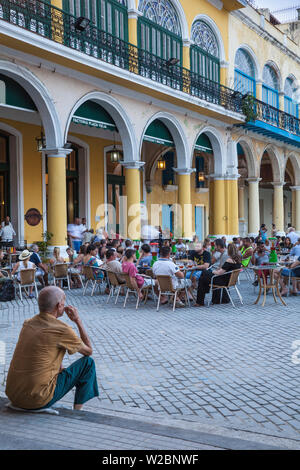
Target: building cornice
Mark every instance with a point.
(239, 14)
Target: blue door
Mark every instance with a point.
(199, 222)
(167, 218)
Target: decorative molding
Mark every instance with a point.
(216, 3)
(56, 152)
(184, 171)
(264, 34)
(134, 165)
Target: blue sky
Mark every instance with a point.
(276, 4)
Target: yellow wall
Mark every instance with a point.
(32, 176)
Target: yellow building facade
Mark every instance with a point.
(182, 114)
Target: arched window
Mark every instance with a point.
(205, 52)
(290, 105)
(108, 15)
(270, 86)
(244, 73)
(159, 30)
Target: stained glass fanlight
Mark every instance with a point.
(244, 63)
(162, 13)
(204, 37)
(289, 88)
(270, 77)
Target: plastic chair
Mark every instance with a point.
(232, 284)
(165, 285)
(27, 279)
(60, 273)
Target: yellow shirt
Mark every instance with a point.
(35, 365)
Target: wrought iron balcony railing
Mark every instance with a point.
(50, 22)
(277, 118)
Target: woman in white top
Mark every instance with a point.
(24, 263)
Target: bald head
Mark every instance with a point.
(49, 298)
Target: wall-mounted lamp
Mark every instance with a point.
(41, 141)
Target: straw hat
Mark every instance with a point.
(24, 255)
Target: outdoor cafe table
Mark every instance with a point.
(264, 285)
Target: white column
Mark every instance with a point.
(296, 209)
(253, 216)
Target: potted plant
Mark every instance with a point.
(249, 107)
(44, 244)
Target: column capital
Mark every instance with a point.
(134, 13)
(253, 180)
(134, 165)
(278, 184)
(224, 64)
(215, 176)
(184, 171)
(57, 152)
(295, 188)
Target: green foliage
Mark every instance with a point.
(44, 244)
(249, 108)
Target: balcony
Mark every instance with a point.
(271, 122)
(43, 19)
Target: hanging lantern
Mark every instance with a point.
(201, 176)
(161, 164)
(115, 155)
(40, 142)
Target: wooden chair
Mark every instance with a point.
(232, 284)
(89, 275)
(27, 279)
(165, 286)
(131, 289)
(114, 284)
(60, 273)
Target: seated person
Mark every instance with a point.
(165, 267)
(24, 263)
(202, 258)
(36, 379)
(88, 236)
(146, 257)
(112, 262)
(220, 254)
(259, 258)
(90, 259)
(232, 263)
(295, 251)
(42, 269)
(246, 252)
(56, 259)
(293, 271)
(180, 246)
(120, 253)
(128, 267)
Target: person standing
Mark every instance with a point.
(75, 233)
(7, 233)
(36, 378)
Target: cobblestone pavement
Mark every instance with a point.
(219, 365)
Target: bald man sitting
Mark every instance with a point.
(36, 379)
